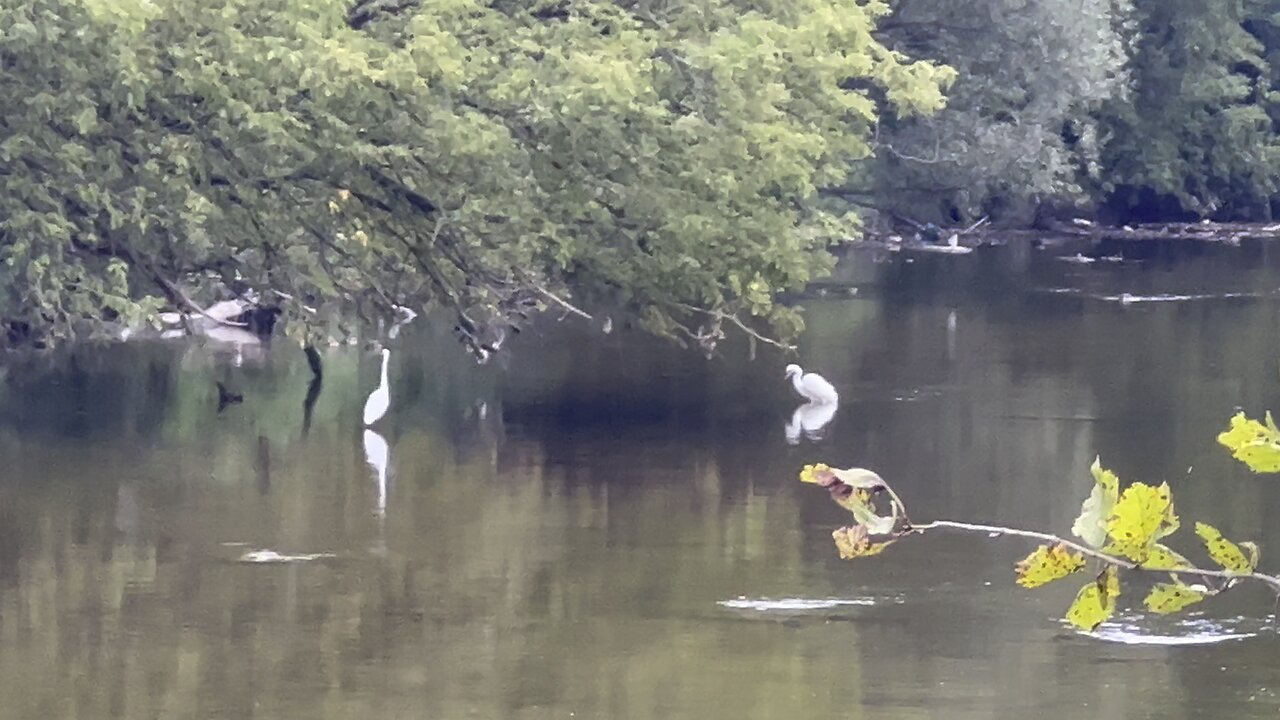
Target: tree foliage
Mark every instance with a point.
(1020, 122)
(1133, 109)
(341, 159)
(1201, 125)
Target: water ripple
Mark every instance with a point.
(801, 604)
(1141, 629)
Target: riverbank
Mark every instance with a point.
(930, 238)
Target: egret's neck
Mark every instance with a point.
(385, 359)
(795, 383)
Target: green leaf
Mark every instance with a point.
(1253, 443)
(1096, 601)
(86, 120)
(1090, 526)
(1226, 554)
(1143, 515)
(1167, 598)
(1047, 564)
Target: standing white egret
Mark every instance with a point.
(379, 400)
(812, 386)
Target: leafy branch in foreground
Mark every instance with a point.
(1117, 531)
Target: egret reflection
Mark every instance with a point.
(377, 454)
(808, 421)
(951, 335)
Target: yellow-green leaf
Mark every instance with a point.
(1096, 601)
(826, 476)
(1253, 443)
(851, 489)
(1090, 526)
(1143, 515)
(816, 474)
(858, 502)
(1047, 564)
(854, 542)
(1168, 598)
(859, 478)
(1226, 553)
(1160, 557)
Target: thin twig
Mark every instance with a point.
(180, 298)
(733, 318)
(976, 225)
(1271, 580)
(1047, 537)
(562, 302)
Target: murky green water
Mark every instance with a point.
(612, 529)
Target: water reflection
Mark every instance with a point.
(808, 420)
(614, 529)
(377, 454)
(951, 335)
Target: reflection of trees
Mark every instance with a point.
(566, 551)
(584, 585)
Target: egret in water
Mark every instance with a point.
(379, 400)
(812, 386)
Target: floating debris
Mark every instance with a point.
(1078, 258)
(1131, 298)
(271, 556)
(801, 604)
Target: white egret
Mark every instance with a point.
(379, 400)
(812, 386)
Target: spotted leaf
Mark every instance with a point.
(1096, 601)
(1253, 443)
(1143, 515)
(1160, 557)
(1167, 598)
(1227, 554)
(1047, 564)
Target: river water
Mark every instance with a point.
(607, 527)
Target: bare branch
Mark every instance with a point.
(719, 315)
(561, 302)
